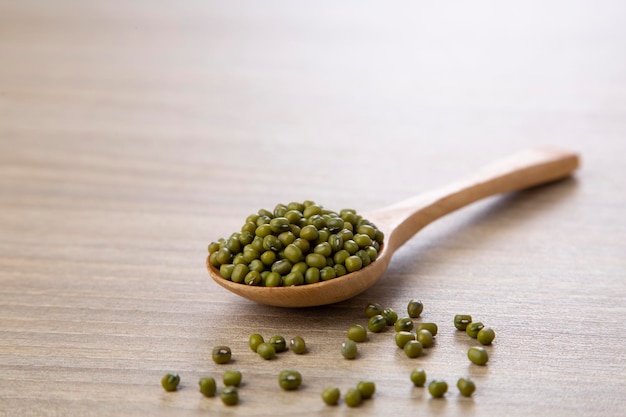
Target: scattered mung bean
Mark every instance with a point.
(462, 320)
(402, 338)
(486, 335)
(221, 354)
(418, 377)
(373, 309)
(357, 333)
(366, 389)
(473, 328)
(415, 308)
(289, 380)
(390, 316)
(377, 323)
(438, 388)
(353, 397)
(255, 340)
(349, 349)
(229, 396)
(425, 337)
(431, 327)
(298, 345)
(266, 351)
(331, 395)
(478, 355)
(413, 349)
(466, 387)
(279, 343)
(170, 382)
(404, 324)
(232, 378)
(207, 386)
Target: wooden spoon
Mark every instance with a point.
(399, 222)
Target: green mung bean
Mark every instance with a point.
(377, 323)
(357, 333)
(170, 382)
(415, 308)
(266, 351)
(473, 328)
(289, 380)
(402, 338)
(366, 389)
(279, 343)
(207, 386)
(425, 337)
(349, 349)
(390, 316)
(478, 355)
(438, 388)
(462, 320)
(353, 397)
(486, 335)
(298, 345)
(221, 354)
(404, 324)
(229, 396)
(418, 377)
(331, 395)
(232, 378)
(255, 340)
(431, 327)
(413, 349)
(466, 387)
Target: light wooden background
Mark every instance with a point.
(134, 133)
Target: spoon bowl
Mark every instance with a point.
(399, 222)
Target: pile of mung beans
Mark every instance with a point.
(296, 244)
(411, 335)
(475, 330)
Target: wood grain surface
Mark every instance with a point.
(134, 133)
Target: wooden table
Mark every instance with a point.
(134, 133)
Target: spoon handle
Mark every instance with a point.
(528, 168)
